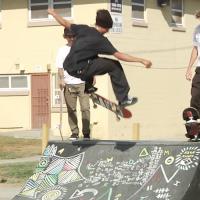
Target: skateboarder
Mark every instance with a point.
(83, 60)
(195, 55)
(73, 90)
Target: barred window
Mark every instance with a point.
(138, 8)
(177, 12)
(38, 8)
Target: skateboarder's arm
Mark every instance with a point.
(193, 58)
(59, 19)
(129, 58)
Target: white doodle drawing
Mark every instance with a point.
(177, 183)
(169, 160)
(78, 193)
(188, 158)
(107, 195)
(168, 180)
(162, 193)
(160, 168)
(53, 193)
(146, 197)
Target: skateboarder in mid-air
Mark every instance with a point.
(83, 61)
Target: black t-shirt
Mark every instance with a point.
(87, 45)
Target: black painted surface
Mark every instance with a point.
(116, 170)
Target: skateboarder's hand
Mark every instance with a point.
(51, 11)
(61, 84)
(147, 63)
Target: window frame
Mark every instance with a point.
(141, 5)
(13, 90)
(49, 20)
(175, 24)
(139, 21)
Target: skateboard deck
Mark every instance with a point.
(115, 108)
(191, 116)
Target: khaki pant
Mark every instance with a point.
(195, 90)
(71, 94)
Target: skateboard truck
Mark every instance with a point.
(117, 110)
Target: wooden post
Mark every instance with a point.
(136, 131)
(45, 136)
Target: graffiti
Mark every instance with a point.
(188, 158)
(78, 193)
(96, 173)
(52, 171)
(53, 193)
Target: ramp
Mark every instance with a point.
(116, 170)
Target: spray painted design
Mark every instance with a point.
(53, 170)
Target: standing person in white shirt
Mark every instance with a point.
(73, 89)
(195, 56)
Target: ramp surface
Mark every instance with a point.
(115, 170)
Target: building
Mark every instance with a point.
(160, 30)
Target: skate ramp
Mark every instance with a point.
(115, 170)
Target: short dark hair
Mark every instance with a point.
(104, 19)
(68, 32)
(197, 14)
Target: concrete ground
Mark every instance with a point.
(8, 191)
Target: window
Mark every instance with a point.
(38, 9)
(138, 8)
(177, 12)
(14, 83)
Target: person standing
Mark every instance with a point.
(73, 89)
(84, 62)
(195, 56)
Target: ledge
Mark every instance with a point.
(140, 24)
(179, 28)
(14, 93)
(44, 23)
(57, 109)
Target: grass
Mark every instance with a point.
(11, 148)
(16, 173)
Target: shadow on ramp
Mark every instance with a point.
(116, 170)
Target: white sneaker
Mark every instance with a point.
(129, 101)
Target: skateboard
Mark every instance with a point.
(191, 116)
(119, 111)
